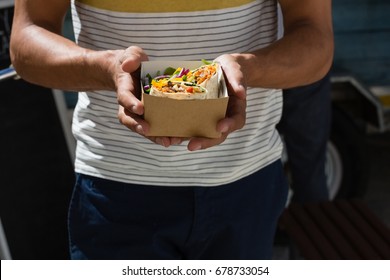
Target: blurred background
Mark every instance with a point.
(37, 149)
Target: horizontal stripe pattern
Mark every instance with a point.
(179, 34)
(159, 6)
(107, 149)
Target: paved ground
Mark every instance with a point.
(377, 195)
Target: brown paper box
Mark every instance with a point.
(182, 118)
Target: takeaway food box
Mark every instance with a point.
(184, 117)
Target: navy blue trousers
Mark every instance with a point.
(305, 126)
(113, 220)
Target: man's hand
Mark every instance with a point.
(128, 90)
(236, 111)
(127, 82)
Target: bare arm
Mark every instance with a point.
(302, 56)
(41, 55)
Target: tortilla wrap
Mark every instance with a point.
(181, 91)
(211, 84)
(200, 83)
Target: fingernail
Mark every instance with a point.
(136, 109)
(224, 129)
(196, 147)
(162, 141)
(166, 142)
(176, 141)
(159, 141)
(139, 129)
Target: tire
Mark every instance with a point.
(333, 170)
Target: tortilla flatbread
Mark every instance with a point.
(200, 83)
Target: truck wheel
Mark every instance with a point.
(333, 170)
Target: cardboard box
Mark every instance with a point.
(182, 118)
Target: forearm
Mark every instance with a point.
(45, 58)
(302, 56)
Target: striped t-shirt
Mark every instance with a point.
(174, 30)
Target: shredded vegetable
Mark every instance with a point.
(180, 79)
